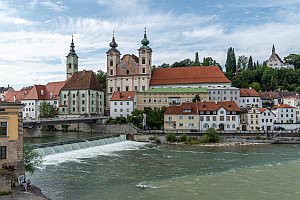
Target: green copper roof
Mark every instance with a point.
(177, 90)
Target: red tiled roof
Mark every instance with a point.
(244, 92)
(282, 106)
(269, 95)
(16, 96)
(45, 92)
(82, 80)
(214, 106)
(123, 96)
(262, 110)
(178, 110)
(201, 106)
(188, 75)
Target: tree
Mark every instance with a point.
(164, 65)
(101, 77)
(197, 62)
(293, 59)
(285, 84)
(210, 136)
(266, 78)
(184, 63)
(250, 63)
(47, 110)
(242, 62)
(256, 86)
(196, 98)
(273, 83)
(32, 160)
(230, 62)
(155, 118)
(136, 118)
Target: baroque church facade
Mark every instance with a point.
(129, 73)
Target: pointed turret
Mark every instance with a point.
(72, 48)
(72, 60)
(145, 41)
(273, 49)
(113, 44)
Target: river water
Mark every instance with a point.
(131, 170)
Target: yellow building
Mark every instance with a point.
(11, 141)
(156, 98)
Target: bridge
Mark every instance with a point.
(57, 121)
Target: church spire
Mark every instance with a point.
(145, 41)
(113, 43)
(273, 49)
(72, 47)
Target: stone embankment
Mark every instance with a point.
(18, 194)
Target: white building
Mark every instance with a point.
(122, 104)
(276, 62)
(223, 93)
(249, 98)
(129, 73)
(284, 114)
(40, 93)
(293, 101)
(267, 119)
(82, 95)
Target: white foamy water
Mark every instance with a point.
(78, 155)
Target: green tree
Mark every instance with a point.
(184, 63)
(293, 59)
(171, 137)
(101, 77)
(230, 63)
(32, 160)
(297, 89)
(273, 83)
(136, 118)
(155, 118)
(164, 65)
(266, 78)
(255, 86)
(197, 62)
(210, 136)
(47, 110)
(242, 62)
(285, 84)
(196, 98)
(250, 63)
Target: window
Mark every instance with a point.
(115, 103)
(233, 118)
(143, 88)
(127, 88)
(143, 61)
(73, 109)
(73, 102)
(118, 88)
(190, 124)
(221, 118)
(65, 96)
(92, 102)
(111, 72)
(207, 118)
(111, 89)
(143, 70)
(214, 118)
(191, 117)
(3, 128)
(170, 118)
(180, 124)
(111, 62)
(82, 109)
(221, 112)
(65, 102)
(82, 95)
(3, 150)
(127, 71)
(127, 110)
(121, 110)
(73, 95)
(180, 117)
(121, 103)
(127, 103)
(115, 110)
(201, 118)
(227, 118)
(82, 102)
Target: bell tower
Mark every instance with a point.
(72, 61)
(145, 56)
(113, 57)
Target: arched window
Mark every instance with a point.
(228, 125)
(214, 125)
(233, 126)
(206, 125)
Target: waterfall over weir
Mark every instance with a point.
(79, 145)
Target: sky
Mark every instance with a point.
(35, 35)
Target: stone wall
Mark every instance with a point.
(5, 181)
(118, 129)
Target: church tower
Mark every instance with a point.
(273, 49)
(72, 61)
(113, 57)
(145, 56)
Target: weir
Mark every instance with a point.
(50, 150)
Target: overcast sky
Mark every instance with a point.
(35, 35)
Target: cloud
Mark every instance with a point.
(57, 7)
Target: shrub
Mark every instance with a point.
(171, 137)
(183, 138)
(157, 140)
(210, 136)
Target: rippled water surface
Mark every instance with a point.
(130, 170)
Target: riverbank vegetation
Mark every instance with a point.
(210, 136)
(32, 160)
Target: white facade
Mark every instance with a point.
(220, 119)
(267, 119)
(81, 102)
(293, 101)
(121, 108)
(224, 93)
(198, 85)
(250, 102)
(276, 62)
(285, 115)
(31, 109)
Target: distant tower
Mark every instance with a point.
(273, 49)
(113, 57)
(145, 56)
(72, 61)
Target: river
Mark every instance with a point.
(131, 170)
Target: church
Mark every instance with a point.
(276, 62)
(129, 73)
